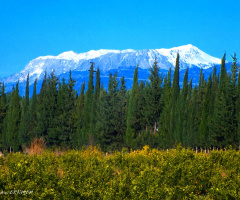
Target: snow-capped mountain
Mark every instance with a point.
(123, 61)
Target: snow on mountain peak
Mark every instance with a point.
(115, 59)
(191, 55)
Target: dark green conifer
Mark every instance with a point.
(133, 125)
(192, 133)
(87, 109)
(78, 138)
(166, 139)
(33, 112)
(3, 107)
(205, 118)
(93, 136)
(182, 114)
(153, 96)
(174, 102)
(220, 119)
(13, 119)
(24, 137)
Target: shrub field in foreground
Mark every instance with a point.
(142, 174)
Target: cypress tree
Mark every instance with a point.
(24, 137)
(232, 106)
(133, 125)
(33, 113)
(111, 123)
(174, 101)
(69, 109)
(61, 118)
(153, 96)
(93, 137)
(87, 109)
(50, 104)
(238, 104)
(121, 113)
(42, 117)
(166, 139)
(13, 119)
(192, 133)
(186, 137)
(182, 114)
(3, 106)
(204, 125)
(78, 137)
(220, 119)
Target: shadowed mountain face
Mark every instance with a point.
(124, 62)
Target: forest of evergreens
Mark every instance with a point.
(157, 112)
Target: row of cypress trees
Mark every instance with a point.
(157, 112)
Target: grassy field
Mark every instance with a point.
(143, 174)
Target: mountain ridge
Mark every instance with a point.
(112, 60)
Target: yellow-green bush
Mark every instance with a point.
(143, 174)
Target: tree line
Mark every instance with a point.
(156, 112)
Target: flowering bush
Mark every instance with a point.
(141, 174)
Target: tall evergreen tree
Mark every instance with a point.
(50, 104)
(133, 125)
(78, 137)
(93, 137)
(238, 101)
(69, 109)
(111, 124)
(205, 118)
(192, 133)
(87, 109)
(3, 107)
(13, 121)
(174, 102)
(41, 114)
(166, 137)
(182, 114)
(220, 119)
(61, 118)
(33, 113)
(24, 136)
(153, 96)
(232, 104)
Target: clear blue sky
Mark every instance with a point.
(32, 28)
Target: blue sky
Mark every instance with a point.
(33, 28)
